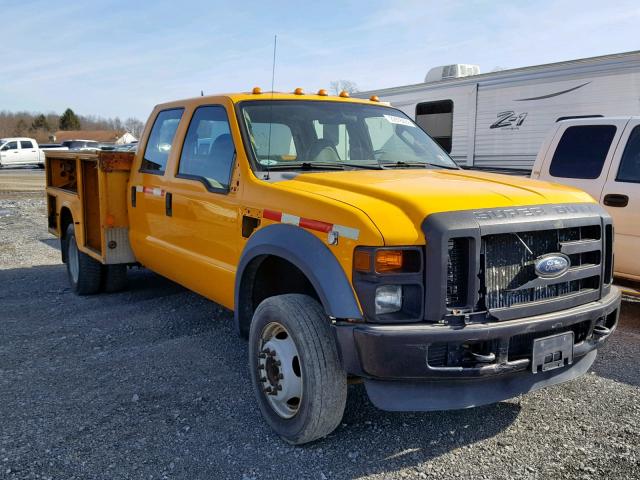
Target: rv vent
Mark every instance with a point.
(451, 71)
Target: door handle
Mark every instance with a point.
(616, 200)
(168, 200)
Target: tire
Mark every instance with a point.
(278, 323)
(84, 272)
(114, 278)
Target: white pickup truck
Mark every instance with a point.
(20, 151)
(602, 157)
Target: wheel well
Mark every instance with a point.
(266, 276)
(66, 219)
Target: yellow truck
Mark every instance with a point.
(350, 247)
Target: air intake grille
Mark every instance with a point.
(457, 269)
(509, 264)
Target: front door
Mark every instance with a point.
(10, 154)
(149, 215)
(621, 198)
(204, 222)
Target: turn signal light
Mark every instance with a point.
(362, 261)
(389, 260)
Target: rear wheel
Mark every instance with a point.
(84, 272)
(296, 373)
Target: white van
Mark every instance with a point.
(602, 157)
(20, 151)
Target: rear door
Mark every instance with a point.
(581, 153)
(148, 215)
(28, 152)
(621, 198)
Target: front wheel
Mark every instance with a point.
(296, 373)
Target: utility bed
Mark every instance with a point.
(90, 190)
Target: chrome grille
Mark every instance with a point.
(509, 265)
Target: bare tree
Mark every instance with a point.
(133, 126)
(348, 86)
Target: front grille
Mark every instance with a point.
(508, 264)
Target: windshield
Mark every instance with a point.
(299, 134)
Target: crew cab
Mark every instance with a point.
(602, 157)
(20, 151)
(350, 247)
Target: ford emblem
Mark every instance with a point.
(552, 265)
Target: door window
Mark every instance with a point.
(629, 170)
(156, 153)
(582, 151)
(10, 146)
(208, 151)
(26, 144)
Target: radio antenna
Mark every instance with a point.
(273, 79)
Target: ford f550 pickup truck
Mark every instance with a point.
(350, 248)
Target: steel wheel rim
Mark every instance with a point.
(279, 370)
(74, 267)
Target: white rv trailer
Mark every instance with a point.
(500, 119)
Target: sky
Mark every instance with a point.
(120, 58)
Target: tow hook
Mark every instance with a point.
(601, 331)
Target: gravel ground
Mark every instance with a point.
(152, 383)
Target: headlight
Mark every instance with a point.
(388, 299)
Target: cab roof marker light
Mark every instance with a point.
(298, 91)
(344, 94)
(256, 91)
(322, 92)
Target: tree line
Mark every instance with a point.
(41, 126)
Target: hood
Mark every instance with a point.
(398, 201)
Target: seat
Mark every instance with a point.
(323, 150)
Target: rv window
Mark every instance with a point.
(582, 151)
(436, 118)
(629, 170)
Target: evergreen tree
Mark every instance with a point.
(69, 120)
(40, 123)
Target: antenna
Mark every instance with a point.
(273, 79)
(202, 93)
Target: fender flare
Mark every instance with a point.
(308, 254)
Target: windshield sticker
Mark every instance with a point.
(268, 163)
(399, 120)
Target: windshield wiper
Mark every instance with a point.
(321, 166)
(401, 164)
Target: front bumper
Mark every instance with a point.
(394, 359)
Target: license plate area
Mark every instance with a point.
(554, 351)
